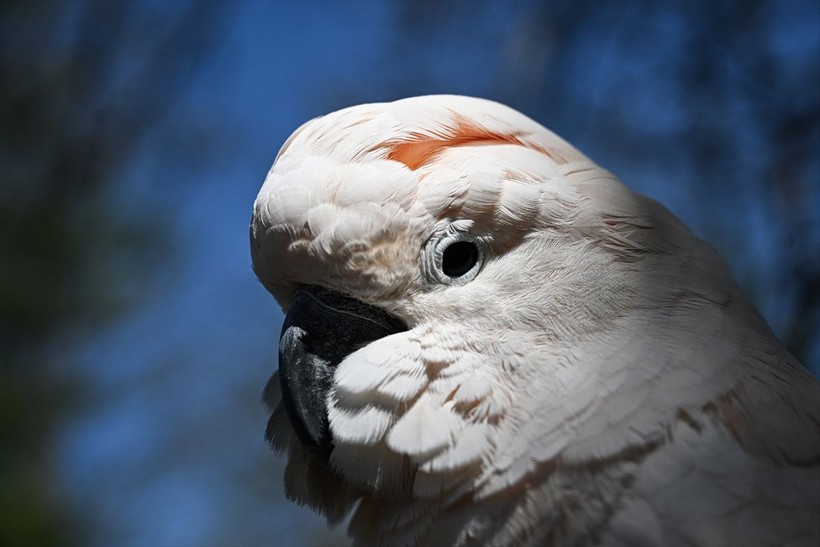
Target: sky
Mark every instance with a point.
(171, 452)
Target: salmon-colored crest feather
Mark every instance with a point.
(421, 150)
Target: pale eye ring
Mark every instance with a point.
(453, 257)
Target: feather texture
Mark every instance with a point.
(600, 381)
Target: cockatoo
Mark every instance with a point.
(490, 340)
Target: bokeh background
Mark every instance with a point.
(134, 338)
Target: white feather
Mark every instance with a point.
(470, 446)
(402, 387)
(426, 429)
(361, 426)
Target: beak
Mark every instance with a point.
(322, 328)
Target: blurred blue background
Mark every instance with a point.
(134, 338)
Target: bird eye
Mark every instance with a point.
(459, 258)
(453, 256)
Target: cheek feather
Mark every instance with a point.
(421, 404)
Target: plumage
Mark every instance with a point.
(566, 364)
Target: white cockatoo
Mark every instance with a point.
(491, 341)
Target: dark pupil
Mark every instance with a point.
(459, 258)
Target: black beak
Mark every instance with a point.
(322, 328)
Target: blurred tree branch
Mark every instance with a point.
(82, 85)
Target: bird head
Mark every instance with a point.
(469, 299)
